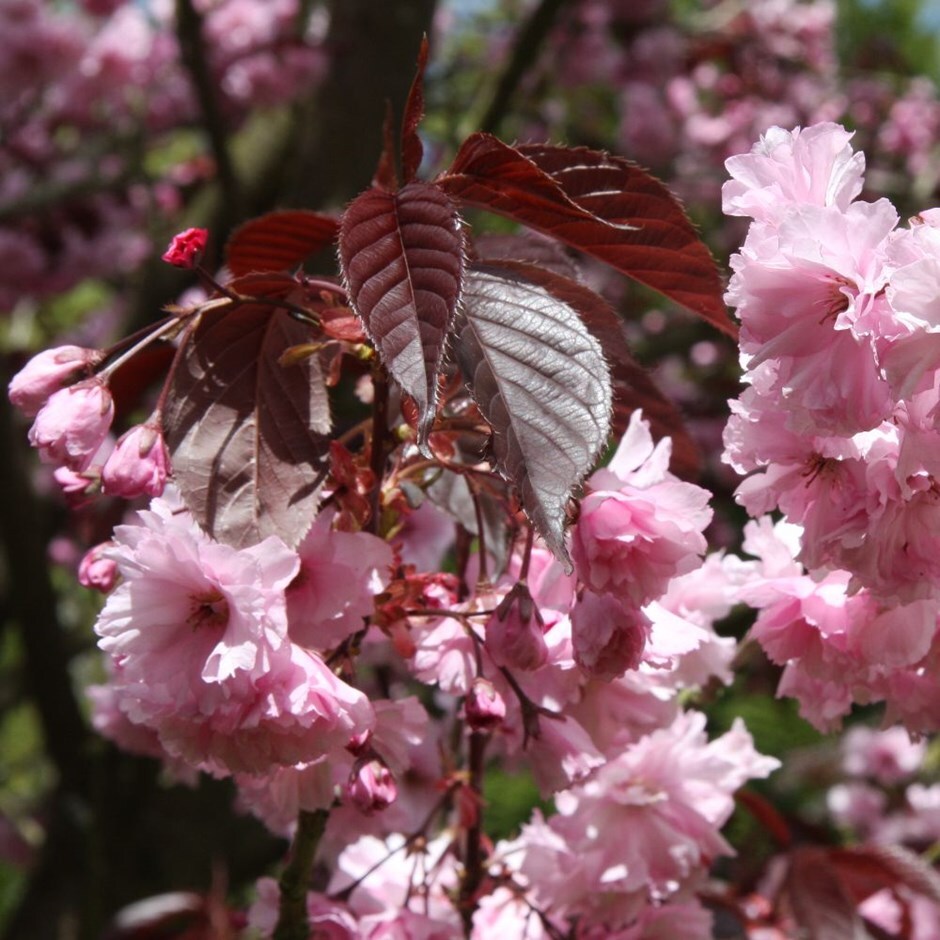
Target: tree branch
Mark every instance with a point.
(524, 53)
(195, 57)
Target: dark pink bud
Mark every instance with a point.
(608, 636)
(186, 248)
(358, 742)
(46, 373)
(371, 787)
(73, 423)
(138, 465)
(96, 570)
(514, 633)
(484, 707)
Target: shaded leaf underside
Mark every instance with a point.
(248, 436)
(540, 380)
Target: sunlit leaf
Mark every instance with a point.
(601, 205)
(403, 256)
(632, 386)
(279, 241)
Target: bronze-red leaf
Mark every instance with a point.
(248, 435)
(601, 205)
(279, 241)
(402, 256)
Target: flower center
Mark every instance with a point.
(837, 300)
(209, 609)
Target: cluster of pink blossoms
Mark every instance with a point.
(294, 672)
(578, 675)
(73, 411)
(838, 427)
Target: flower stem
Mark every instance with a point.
(292, 923)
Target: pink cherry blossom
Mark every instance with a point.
(400, 894)
(639, 526)
(47, 372)
(514, 633)
(73, 423)
(371, 787)
(200, 632)
(672, 791)
(813, 165)
(400, 735)
(97, 569)
(887, 755)
(484, 707)
(340, 574)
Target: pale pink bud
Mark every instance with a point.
(484, 707)
(46, 373)
(96, 570)
(371, 787)
(514, 633)
(186, 249)
(73, 423)
(138, 465)
(78, 485)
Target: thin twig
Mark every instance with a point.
(195, 56)
(524, 53)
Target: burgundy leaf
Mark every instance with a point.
(632, 386)
(601, 205)
(530, 247)
(402, 256)
(866, 869)
(411, 148)
(820, 903)
(541, 382)
(248, 436)
(264, 284)
(279, 241)
(386, 176)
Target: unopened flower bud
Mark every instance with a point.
(371, 787)
(358, 742)
(609, 637)
(46, 373)
(484, 707)
(73, 423)
(138, 465)
(186, 248)
(514, 633)
(96, 570)
(78, 485)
